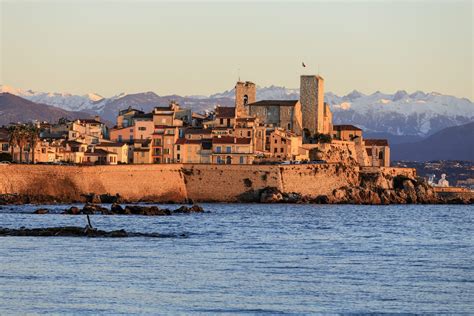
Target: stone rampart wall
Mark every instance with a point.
(174, 182)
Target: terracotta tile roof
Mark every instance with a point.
(98, 152)
(182, 141)
(346, 128)
(231, 140)
(274, 103)
(225, 112)
(89, 121)
(376, 142)
(198, 131)
(111, 144)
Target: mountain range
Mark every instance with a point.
(399, 116)
(16, 109)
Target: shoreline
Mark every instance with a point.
(336, 183)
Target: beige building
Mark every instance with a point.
(279, 113)
(284, 145)
(346, 132)
(231, 150)
(90, 131)
(121, 149)
(99, 157)
(378, 151)
(193, 150)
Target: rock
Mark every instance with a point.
(107, 198)
(72, 231)
(72, 211)
(117, 209)
(146, 210)
(270, 195)
(292, 198)
(90, 209)
(193, 209)
(41, 211)
(321, 199)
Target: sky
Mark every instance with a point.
(200, 48)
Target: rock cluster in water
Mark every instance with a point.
(117, 209)
(374, 189)
(73, 231)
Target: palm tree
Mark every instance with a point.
(12, 138)
(33, 138)
(22, 139)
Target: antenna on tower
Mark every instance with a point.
(238, 73)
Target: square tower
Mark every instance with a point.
(245, 93)
(312, 103)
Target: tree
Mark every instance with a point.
(22, 139)
(33, 138)
(12, 138)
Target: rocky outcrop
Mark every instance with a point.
(73, 231)
(117, 209)
(373, 189)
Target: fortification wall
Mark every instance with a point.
(174, 182)
(134, 182)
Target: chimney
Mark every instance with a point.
(97, 118)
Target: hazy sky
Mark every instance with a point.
(188, 48)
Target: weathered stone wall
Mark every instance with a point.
(175, 182)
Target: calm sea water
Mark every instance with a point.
(246, 258)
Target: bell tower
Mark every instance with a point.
(245, 93)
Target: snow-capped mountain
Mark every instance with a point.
(419, 114)
(65, 101)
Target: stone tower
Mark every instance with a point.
(245, 93)
(312, 103)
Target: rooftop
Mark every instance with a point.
(274, 103)
(225, 111)
(376, 142)
(231, 140)
(346, 128)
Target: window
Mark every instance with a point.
(178, 156)
(275, 150)
(178, 148)
(281, 149)
(4, 147)
(228, 149)
(246, 99)
(142, 128)
(157, 142)
(249, 133)
(143, 154)
(131, 131)
(228, 122)
(241, 160)
(289, 126)
(221, 121)
(120, 138)
(166, 151)
(218, 149)
(276, 141)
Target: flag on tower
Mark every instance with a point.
(303, 64)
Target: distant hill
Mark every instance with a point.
(14, 109)
(452, 143)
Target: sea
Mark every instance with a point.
(244, 259)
